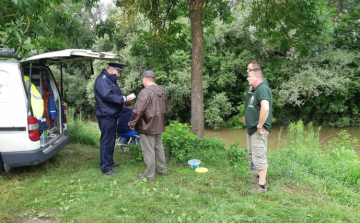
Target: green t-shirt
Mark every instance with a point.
(249, 93)
(252, 111)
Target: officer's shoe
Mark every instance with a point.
(115, 165)
(109, 172)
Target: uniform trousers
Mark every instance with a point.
(107, 127)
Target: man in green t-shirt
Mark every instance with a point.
(258, 125)
(252, 65)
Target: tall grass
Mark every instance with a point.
(82, 131)
(306, 183)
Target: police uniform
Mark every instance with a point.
(109, 103)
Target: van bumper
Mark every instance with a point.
(34, 157)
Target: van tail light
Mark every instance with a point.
(65, 117)
(33, 128)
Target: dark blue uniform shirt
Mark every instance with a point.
(108, 96)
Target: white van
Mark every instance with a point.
(19, 129)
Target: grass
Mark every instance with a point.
(304, 183)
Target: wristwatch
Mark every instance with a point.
(258, 126)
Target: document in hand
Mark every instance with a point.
(132, 96)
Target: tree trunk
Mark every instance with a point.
(197, 57)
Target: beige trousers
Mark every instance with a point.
(153, 151)
(257, 148)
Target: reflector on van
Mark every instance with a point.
(33, 128)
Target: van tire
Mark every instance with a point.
(2, 169)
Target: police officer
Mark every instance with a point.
(109, 102)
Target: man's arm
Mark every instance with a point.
(264, 113)
(104, 90)
(139, 108)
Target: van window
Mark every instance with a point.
(4, 86)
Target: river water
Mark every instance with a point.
(277, 134)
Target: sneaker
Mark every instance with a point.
(257, 189)
(164, 173)
(254, 180)
(142, 176)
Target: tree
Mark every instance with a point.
(197, 58)
(298, 24)
(43, 25)
(166, 35)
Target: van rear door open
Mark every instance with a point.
(17, 147)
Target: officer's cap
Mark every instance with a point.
(118, 66)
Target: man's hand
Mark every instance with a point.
(243, 119)
(128, 99)
(132, 128)
(261, 131)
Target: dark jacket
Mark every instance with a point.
(108, 96)
(123, 123)
(149, 111)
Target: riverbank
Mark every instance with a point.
(304, 185)
(278, 134)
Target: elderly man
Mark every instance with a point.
(148, 119)
(109, 103)
(258, 125)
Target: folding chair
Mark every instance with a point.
(125, 140)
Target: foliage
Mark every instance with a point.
(181, 145)
(346, 33)
(178, 141)
(218, 107)
(344, 141)
(307, 135)
(328, 74)
(323, 88)
(209, 150)
(236, 155)
(136, 152)
(284, 24)
(325, 84)
(236, 121)
(81, 131)
(178, 96)
(302, 159)
(43, 25)
(75, 78)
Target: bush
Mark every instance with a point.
(181, 145)
(236, 121)
(178, 141)
(236, 155)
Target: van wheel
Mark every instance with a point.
(2, 169)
